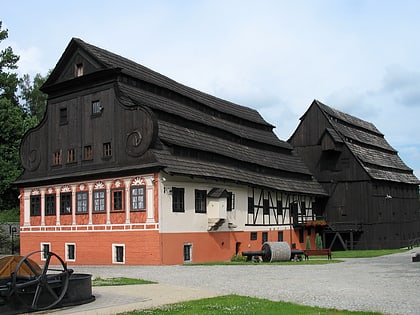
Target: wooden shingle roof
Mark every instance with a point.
(198, 135)
(367, 143)
(133, 69)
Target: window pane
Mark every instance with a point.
(65, 203)
(99, 201)
(35, 205)
(117, 195)
(177, 199)
(200, 201)
(70, 251)
(138, 198)
(82, 202)
(49, 204)
(87, 153)
(96, 107)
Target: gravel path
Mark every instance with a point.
(388, 284)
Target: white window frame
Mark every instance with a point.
(114, 254)
(66, 249)
(43, 257)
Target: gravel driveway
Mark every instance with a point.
(388, 284)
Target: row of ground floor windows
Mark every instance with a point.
(117, 250)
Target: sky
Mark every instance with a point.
(360, 57)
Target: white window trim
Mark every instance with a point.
(67, 252)
(43, 258)
(114, 254)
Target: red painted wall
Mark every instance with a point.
(95, 248)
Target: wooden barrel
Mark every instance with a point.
(276, 251)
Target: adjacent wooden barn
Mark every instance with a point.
(131, 167)
(373, 196)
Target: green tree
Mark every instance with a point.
(35, 101)
(14, 123)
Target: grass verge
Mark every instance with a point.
(99, 282)
(234, 304)
(367, 253)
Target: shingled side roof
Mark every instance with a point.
(367, 143)
(202, 135)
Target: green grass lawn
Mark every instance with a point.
(99, 282)
(366, 253)
(234, 304)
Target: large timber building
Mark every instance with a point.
(373, 195)
(131, 167)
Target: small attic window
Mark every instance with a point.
(79, 70)
(97, 107)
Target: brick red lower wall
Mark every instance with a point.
(95, 248)
(144, 247)
(214, 246)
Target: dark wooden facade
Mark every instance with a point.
(124, 164)
(100, 101)
(374, 196)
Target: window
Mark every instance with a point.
(71, 156)
(279, 208)
(250, 205)
(266, 207)
(118, 253)
(177, 199)
(87, 152)
(65, 203)
(303, 208)
(264, 237)
(187, 252)
(280, 236)
(200, 201)
(230, 201)
(78, 70)
(96, 108)
(63, 116)
(254, 236)
(117, 200)
(107, 150)
(70, 252)
(45, 248)
(301, 236)
(50, 204)
(35, 205)
(138, 198)
(57, 157)
(82, 202)
(99, 201)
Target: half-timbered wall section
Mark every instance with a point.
(110, 121)
(374, 196)
(267, 207)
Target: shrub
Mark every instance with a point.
(238, 258)
(318, 241)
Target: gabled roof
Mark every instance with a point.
(368, 145)
(199, 135)
(109, 60)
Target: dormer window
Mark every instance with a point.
(79, 70)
